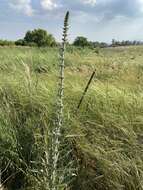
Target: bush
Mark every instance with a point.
(81, 41)
(20, 42)
(39, 37)
(6, 43)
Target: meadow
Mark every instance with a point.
(105, 134)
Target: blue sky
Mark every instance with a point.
(98, 20)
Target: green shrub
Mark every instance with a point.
(6, 43)
(39, 37)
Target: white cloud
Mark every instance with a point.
(22, 6)
(49, 4)
(90, 2)
(83, 17)
(141, 4)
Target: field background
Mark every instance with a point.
(107, 132)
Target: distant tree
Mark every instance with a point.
(29, 36)
(20, 42)
(39, 37)
(113, 42)
(103, 45)
(96, 44)
(81, 41)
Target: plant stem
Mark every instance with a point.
(59, 122)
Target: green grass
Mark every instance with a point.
(106, 134)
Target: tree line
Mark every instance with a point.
(41, 38)
(36, 37)
(116, 43)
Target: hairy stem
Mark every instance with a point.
(59, 120)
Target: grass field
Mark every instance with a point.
(106, 134)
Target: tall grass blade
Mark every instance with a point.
(86, 89)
